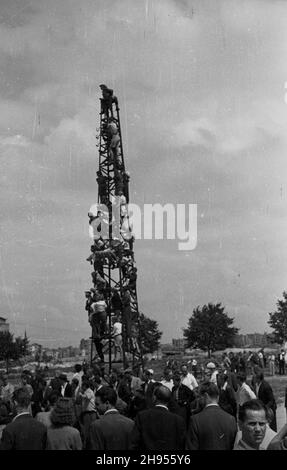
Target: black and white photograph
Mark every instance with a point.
(143, 223)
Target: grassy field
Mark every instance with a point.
(278, 384)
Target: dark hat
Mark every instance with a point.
(63, 377)
(63, 412)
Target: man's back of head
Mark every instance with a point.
(22, 398)
(107, 395)
(24, 432)
(52, 399)
(209, 391)
(78, 368)
(162, 395)
(156, 428)
(241, 377)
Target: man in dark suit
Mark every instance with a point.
(156, 428)
(24, 432)
(212, 428)
(148, 387)
(113, 430)
(181, 398)
(124, 388)
(265, 394)
(56, 384)
(66, 388)
(227, 400)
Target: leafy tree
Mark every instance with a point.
(278, 320)
(38, 356)
(21, 346)
(9, 349)
(46, 357)
(25, 345)
(210, 329)
(12, 349)
(149, 334)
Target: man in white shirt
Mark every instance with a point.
(167, 380)
(89, 412)
(117, 337)
(261, 361)
(244, 392)
(269, 434)
(214, 372)
(187, 378)
(78, 373)
(252, 423)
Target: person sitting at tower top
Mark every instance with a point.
(108, 99)
(108, 93)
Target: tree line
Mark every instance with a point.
(209, 328)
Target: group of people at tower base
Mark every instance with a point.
(131, 409)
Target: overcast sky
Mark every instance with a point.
(201, 88)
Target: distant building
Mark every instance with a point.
(4, 327)
(253, 340)
(50, 354)
(85, 347)
(180, 343)
(67, 352)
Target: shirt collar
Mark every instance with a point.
(162, 406)
(111, 410)
(245, 446)
(22, 413)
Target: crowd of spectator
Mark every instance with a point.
(227, 404)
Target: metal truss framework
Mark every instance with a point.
(112, 302)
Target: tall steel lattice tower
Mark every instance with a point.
(112, 303)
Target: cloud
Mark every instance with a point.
(201, 93)
(198, 133)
